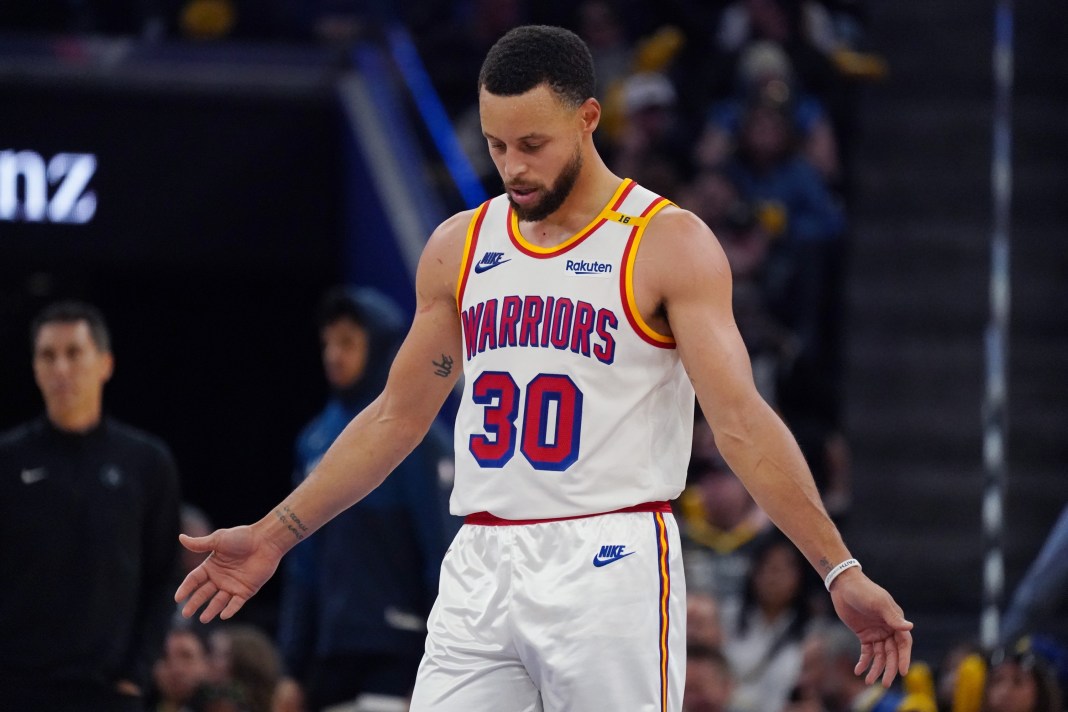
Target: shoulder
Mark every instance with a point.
(678, 241)
(139, 441)
(441, 261)
(679, 263)
(449, 238)
(16, 436)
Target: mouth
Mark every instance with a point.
(522, 194)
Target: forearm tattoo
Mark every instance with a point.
(292, 522)
(825, 565)
(444, 368)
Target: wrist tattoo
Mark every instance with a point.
(291, 521)
(444, 368)
(825, 565)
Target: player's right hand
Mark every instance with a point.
(240, 561)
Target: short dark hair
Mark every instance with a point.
(70, 312)
(531, 55)
(338, 303)
(701, 651)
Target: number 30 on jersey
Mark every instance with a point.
(551, 424)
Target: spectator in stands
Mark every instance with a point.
(715, 199)
(1021, 680)
(802, 279)
(764, 647)
(790, 196)
(709, 682)
(246, 667)
(720, 526)
(181, 670)
(803, 28)
(703, 623)
(764, 68)
(654, 147)
(600, 25)
(806, 695)
(354, 601)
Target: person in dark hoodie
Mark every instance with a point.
(355, 598)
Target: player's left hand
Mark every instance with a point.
(870, 612)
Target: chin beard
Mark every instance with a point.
(554, 196)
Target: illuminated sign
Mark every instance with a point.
(36, 190)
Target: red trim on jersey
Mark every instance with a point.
(624, 296)
(469, 252)
(570, 243)
(622, 196)
(490, 520)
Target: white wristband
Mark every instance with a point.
(837, 570)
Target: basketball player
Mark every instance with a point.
(585, 311)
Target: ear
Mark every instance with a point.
(590, 115)
(107, 367)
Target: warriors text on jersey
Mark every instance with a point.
(572, 404)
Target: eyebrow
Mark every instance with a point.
(526, 137)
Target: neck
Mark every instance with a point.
(593, 189)
(772, 612)
(78, 421)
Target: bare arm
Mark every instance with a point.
(684, 288)
(383, 434)
(682, 264)
(371, 445)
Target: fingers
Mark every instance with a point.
(233, 607)
(192, 582)
(885, 658)
(865, 658)
(198, 598)
(904, 650)
(878, 663)
(891, 662)
(218, 602)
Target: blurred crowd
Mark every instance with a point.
(742, 111)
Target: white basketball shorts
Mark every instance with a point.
(572, 615)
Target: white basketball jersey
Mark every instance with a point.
(572, 405)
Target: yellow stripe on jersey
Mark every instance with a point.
(603, 215)
(628, 270)
(623, 219)
(465, 261)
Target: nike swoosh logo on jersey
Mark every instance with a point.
(489, 261)
(33, 475)
(599, 561)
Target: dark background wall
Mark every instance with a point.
(217, 226)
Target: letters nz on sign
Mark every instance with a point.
(38, 190)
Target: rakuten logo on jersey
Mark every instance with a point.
(36, 190)
(584, 267)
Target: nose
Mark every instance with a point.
(61, 365)
(514, 167)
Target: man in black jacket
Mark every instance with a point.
(88, 525)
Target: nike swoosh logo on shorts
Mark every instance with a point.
(598, 561)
